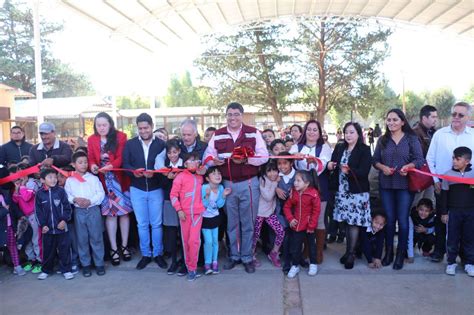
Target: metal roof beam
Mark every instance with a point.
(311, 8)
(426, 7)
(455, 4)
(466, 30)
(222, 13)
(366, 4)
(276, 8)
(328, 8)
(345, 7)
(180, 16)
(159, 20)
(382, 8)
(406, 4)
(458, 19)
(294, 7)
(240, 10)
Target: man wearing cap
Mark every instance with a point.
(50, 151)
(11, 152)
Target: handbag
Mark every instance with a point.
(419, 182)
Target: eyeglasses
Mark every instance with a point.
(456, 114)
(230, 115)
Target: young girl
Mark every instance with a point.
(170, 218)
(25, 199)
(287, 178)
(186, 198)
(266, 211)
(302, 210)
(213, 198)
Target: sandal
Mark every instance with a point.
(126, 253)
(114, 257)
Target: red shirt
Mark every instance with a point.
(304, 207)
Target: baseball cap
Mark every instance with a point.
(46, 127)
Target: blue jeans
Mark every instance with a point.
(211, 245)
(148, 208)
(396, 203)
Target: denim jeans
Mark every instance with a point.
(396, 203)
(148, 208)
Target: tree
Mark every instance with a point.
(340, 62)
(469, 97)
(181, 92)
(132, 102)
(443, 99)
(17, 55)
(252, 66)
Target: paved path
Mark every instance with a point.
(420, 288)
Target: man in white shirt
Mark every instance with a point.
(439, 159)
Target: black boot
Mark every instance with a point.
(343, 259)
(398, 264)
(349, 264)
(388, 259)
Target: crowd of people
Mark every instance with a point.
(82, 207)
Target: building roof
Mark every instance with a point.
(154, 25)
(17, 92)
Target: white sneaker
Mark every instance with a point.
(74, 270)
(469, 269)
(451, 269)
(313, 270)
(42, 276)
(18, 270)
(68, 275)
(293, 272)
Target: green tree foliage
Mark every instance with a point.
(340, 63)
(132, 102)
(469, 97)
(443, 99)
(17, 55)
(252, 66)
(181, 92)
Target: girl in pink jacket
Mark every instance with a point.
(186, 198)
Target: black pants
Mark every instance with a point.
(424, 241)
(461, 235)
(296, 242)
(56, 244)
(285, 249)
(171, 241)
(440, 232)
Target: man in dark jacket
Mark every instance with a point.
(11, 152)
(50, 151)
(425, 128)
(148, 153)
(190, 141)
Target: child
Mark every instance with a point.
(277, 146)
(372, 239)
(70, 224)
(302, 211)
(7, 234)
(186, 198)
(287, 179)
(266, 211)
(457, 211)
(423, 222)
(170, 217)
(288, 144)
(25, 198)
(213, 198)
(52, 211)
(87, 197)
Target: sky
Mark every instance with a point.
(420, 59)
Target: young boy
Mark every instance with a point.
(457, 211)
(423, 218)
(372, 240)
(87, 197)
(52, 211)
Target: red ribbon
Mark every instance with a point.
(20, 174)
(461, 180)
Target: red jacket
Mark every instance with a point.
(93, 147)
(304, 207)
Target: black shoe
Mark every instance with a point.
(399, 259)
(249, 267)
(304, 263)
(160, 262)
(100, 270)
(86, 271)
(340, 239)
(388, 259)
(435, 257)
(331, 239)
(182, 271)
(173, 268)
(343, 259)
(230, 264)
(349, 263)
(286, 268)
(143, 262)
(114, 257)
(127, 256)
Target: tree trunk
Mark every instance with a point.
(322, 98)
(270, 91)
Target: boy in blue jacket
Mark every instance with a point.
(52, 211)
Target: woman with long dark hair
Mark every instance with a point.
(311, 144)
(350, 165)
(397, 151)
(105, 149)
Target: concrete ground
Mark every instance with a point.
(420, 288)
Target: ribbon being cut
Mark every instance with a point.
(36, 169)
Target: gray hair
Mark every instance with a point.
(191, 123)
(465, 105)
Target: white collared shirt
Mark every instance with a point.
(179, 163)
(288, 177)
(324, 156)
(91, 189)
(55, 145)
(440, 152)
(146, 147)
